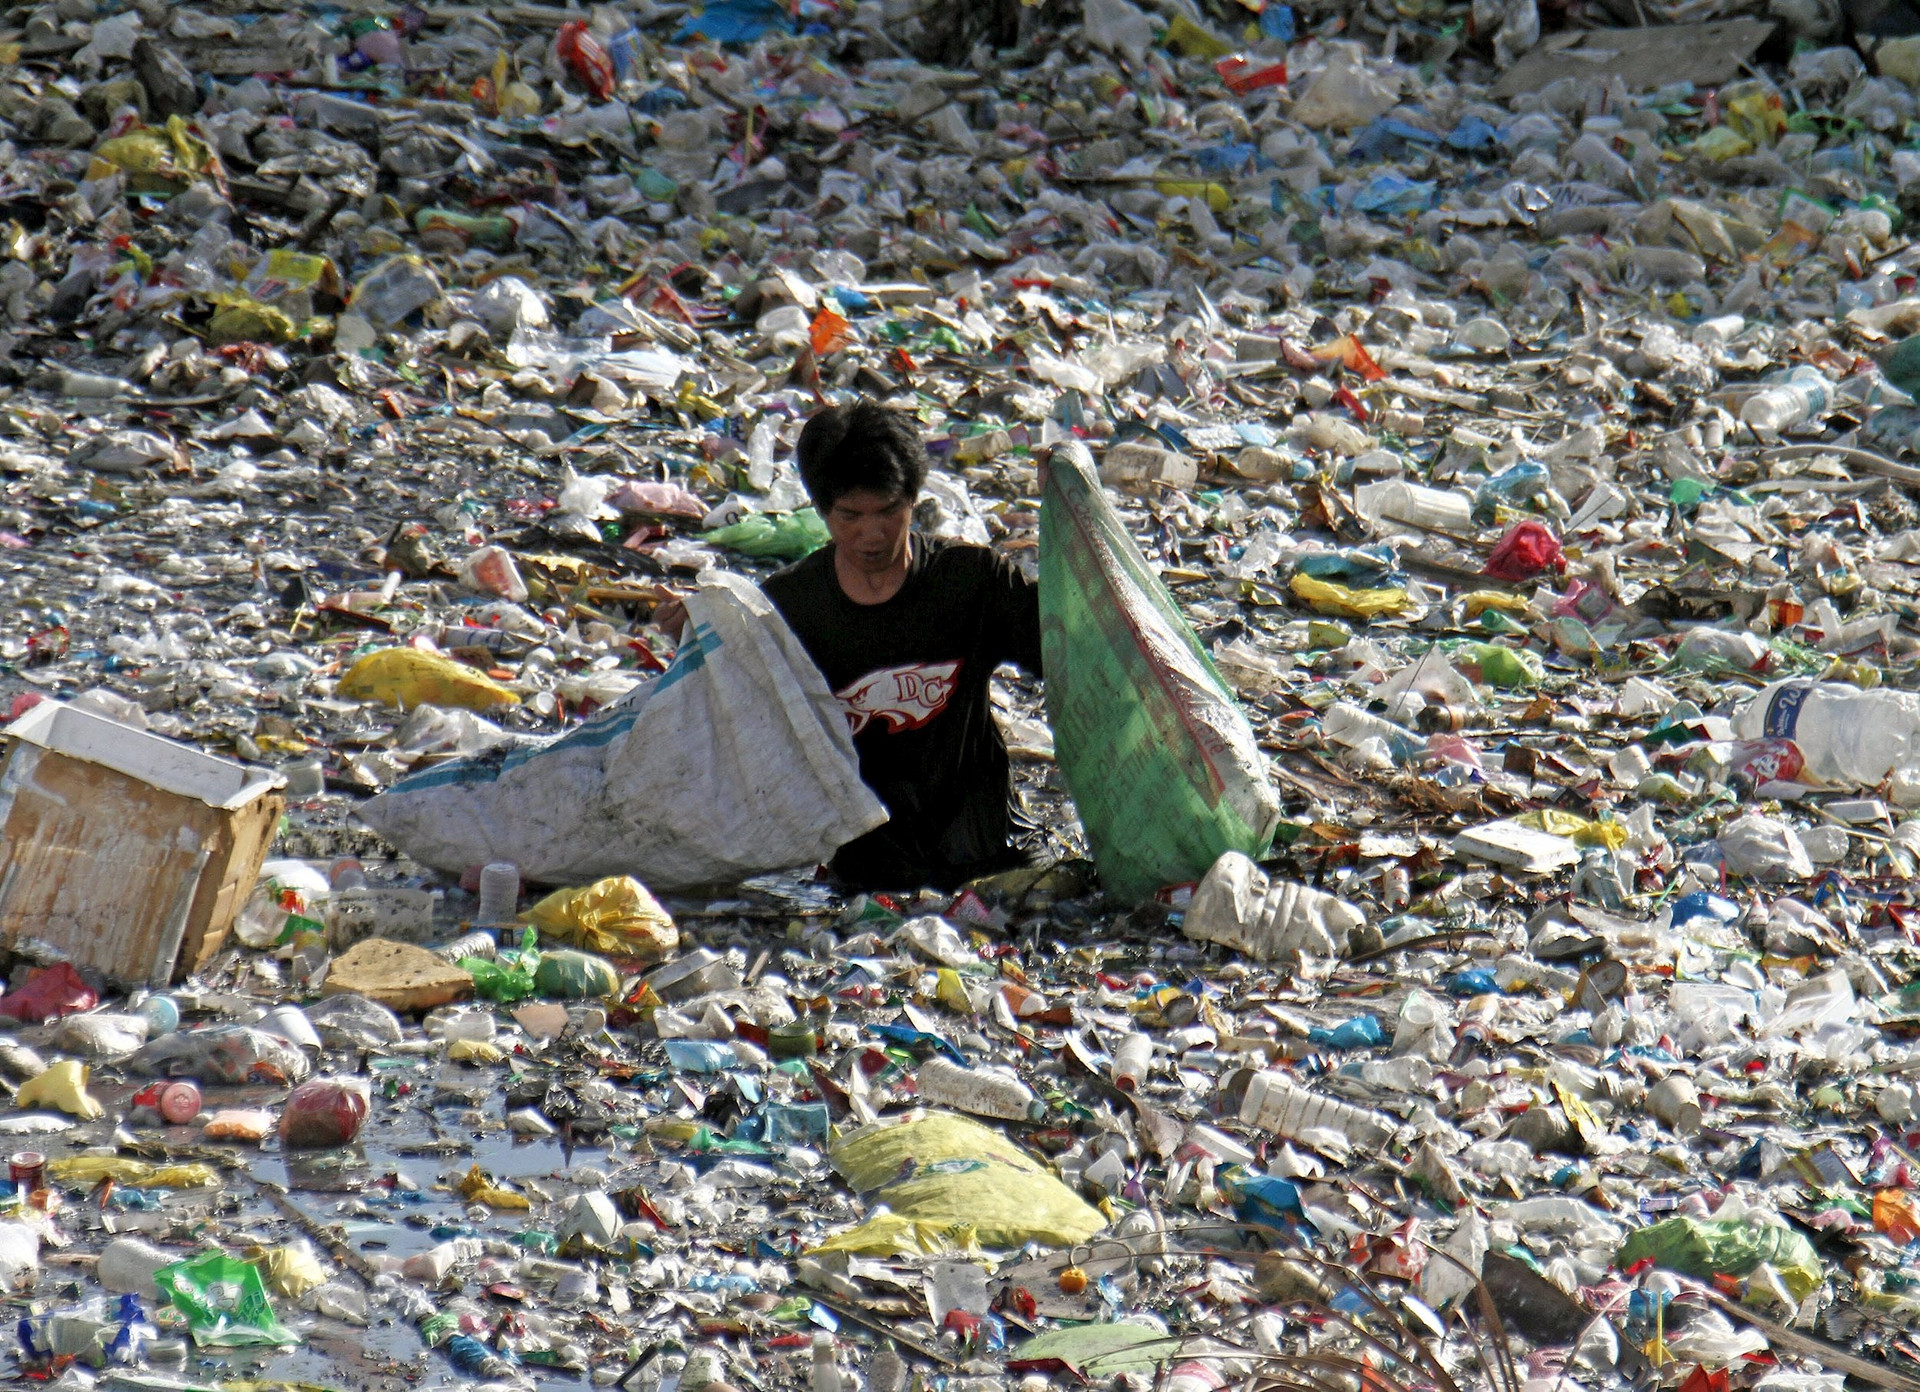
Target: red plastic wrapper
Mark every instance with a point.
(1244, 75)
(586, 58)
(1526, 551)
(1769, 760)
(324, 1112)
(49, 993)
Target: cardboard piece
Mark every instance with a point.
(1704, 54)
(399, 975)
(123, 851)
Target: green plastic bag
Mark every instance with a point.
(1156, 752)
(570, 974)
(225, 1301)
(1706, 1247)
(508, 977)
(789, 538)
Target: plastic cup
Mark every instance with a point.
(499, 892)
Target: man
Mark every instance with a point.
(907, 630)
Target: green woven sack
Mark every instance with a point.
(1155, 750)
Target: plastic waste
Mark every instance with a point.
(1240, 907)
(325, 1112)
(987, 1092)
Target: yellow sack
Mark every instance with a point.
(615, 917)
(944, 1172)
(407, 677)
(890, 1235)
(137, 1174)
(64, 1086)
(1345, 602)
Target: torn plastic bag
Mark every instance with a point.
(616, 917)
(225, 1302)
(1159, 757)
(733, 762)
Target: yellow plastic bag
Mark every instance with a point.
(616, 917)
(944, 1172)
(1607, 835)
(407, 677)
(292, 1270)
(155, 160)
(63, 1086)
(1185, 37)
(136, 1174)
(243, 319)
(1345, 602)
(1476, 602)
(477, 1187)
(474, 1051)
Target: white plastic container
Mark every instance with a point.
(499, 893)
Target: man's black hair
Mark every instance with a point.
(861, 445)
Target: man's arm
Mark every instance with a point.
(1015, 615)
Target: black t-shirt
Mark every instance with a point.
(912, 674)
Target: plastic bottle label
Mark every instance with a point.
(1783, 711)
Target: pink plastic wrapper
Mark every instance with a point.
(324, 1112)
(1526, 551)
(655, 500)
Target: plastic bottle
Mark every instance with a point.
(1275, 1103)
(826, 1372)
(1238, 906)
(499, 893)
(888, 1370)
(1132, 1058)
(1195, 1376)
(1788, 398)
(988, 1092)
(127, 1265)
(1346, 724)
(475, 944)
(1399, 501)
(1846, 736)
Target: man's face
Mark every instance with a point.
(870, 529)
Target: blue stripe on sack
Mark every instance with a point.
(602, 730)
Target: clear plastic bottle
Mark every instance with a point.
(1275, 1103)
(988, 1092)
(1847, 737)
(1132, 1058)
(1399, 501)
(1344, 723)
(1788, 398)
(1239, 906)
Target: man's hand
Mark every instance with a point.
(670, 616)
